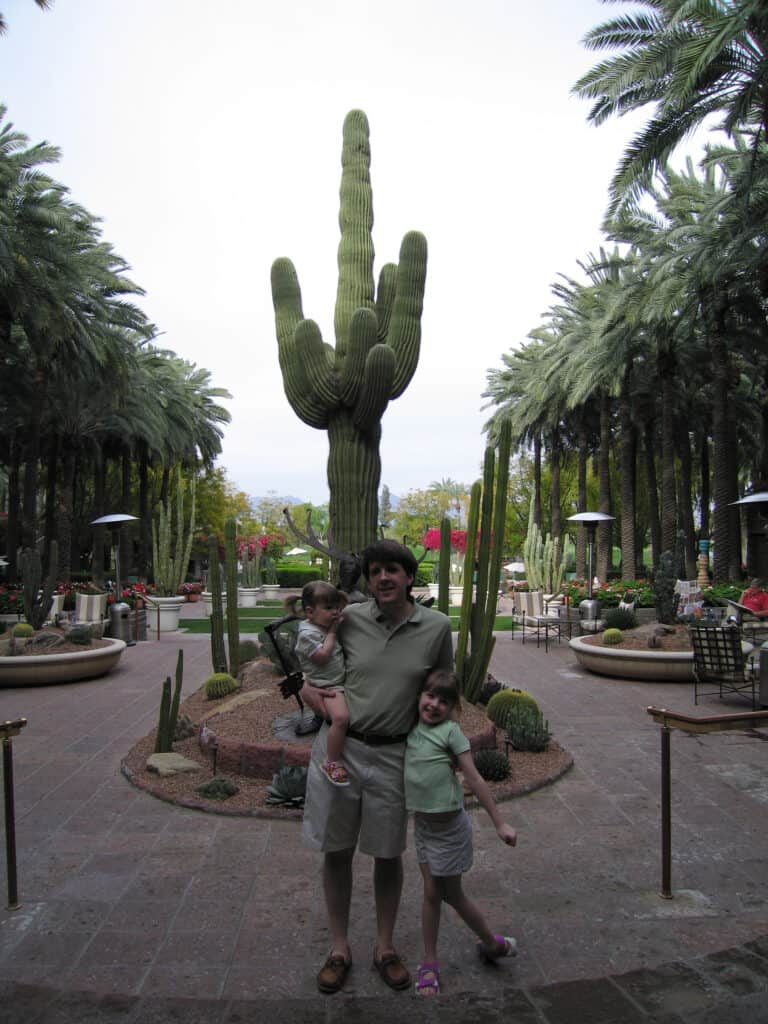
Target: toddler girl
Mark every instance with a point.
(321, 659)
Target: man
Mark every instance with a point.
(756, 599)
(391, 644)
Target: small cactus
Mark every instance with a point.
(185, 728)
(501, 703)
(220, 684)
(218, 788)
(248, 650)
(22, 629)
(527, 729)
(492, 765)
(80, 635)
(612, 636)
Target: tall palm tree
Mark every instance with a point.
(692, 59)
(42, 4)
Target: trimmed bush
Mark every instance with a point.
(297, 575)
(501, 704)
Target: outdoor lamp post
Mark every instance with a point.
(591, 521)
(757, 551)
(114, 522)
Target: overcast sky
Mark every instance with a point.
(208, 138)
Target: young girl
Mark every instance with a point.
(442, 829)
(321, 659)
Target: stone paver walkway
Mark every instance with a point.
(137, 911)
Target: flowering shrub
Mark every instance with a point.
(609, 594)
(11, 601)
(190, 588)
(431, 541)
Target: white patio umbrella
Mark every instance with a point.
(297, 551)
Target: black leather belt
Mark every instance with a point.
(373, 739)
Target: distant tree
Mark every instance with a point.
(42, 4)
(385, 507)
(417, 511)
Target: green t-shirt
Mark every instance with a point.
(386, 667)
(430, 783)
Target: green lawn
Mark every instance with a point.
(253, 620)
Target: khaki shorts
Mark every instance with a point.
(369, 812)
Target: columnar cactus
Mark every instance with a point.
(171, 549)
(230, 568)
(444, 566)
(378, 332)
(38, 596)
(545, 560)
(487, 508)
(218, 653)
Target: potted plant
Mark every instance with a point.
(249, 553)
(431, 541)
(272, 545)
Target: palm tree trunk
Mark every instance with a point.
(144, 523)
(554, 493)
(52, 461)
(649, 447)
(686, 504)
(65, 504)
(581, 473)
(666, 365)
(604, 532)
(722, 453)
(537, 480)
(99, 540)
(126, 546)
(13, 532)
(706, 493)
(627, 457)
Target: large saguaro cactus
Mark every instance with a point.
(345, 390)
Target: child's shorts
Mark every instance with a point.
(338, 687)
(445, 846)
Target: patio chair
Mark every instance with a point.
(534, 616)
(720, 661)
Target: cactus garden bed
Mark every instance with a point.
(66, 662)
(671, 661)
(246, 719)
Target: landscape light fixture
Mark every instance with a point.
(591, 521)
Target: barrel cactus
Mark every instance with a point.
(345, 390)
(219, 788)
(612, 636)
(220, 684)
(22, 629)
(501, 703)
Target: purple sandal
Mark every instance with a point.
(428, 978)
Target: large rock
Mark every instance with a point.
(171, 764)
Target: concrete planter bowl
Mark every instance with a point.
(69, 667)
(651, 666)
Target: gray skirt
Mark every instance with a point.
(445, 846)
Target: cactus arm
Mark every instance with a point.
(355, 253)
(173, 716)
(385, 297)
(405, 328)
(161, 740)
(499, 517)
(286, 299)
(230, 567)
(486, 516)
(375, 386)
(363, 331)
(313, 357)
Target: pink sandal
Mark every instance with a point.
(508, 944)
(336, 773)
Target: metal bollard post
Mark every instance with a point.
(666, 815)
(7, 731)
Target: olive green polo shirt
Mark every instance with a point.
(387, 667)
